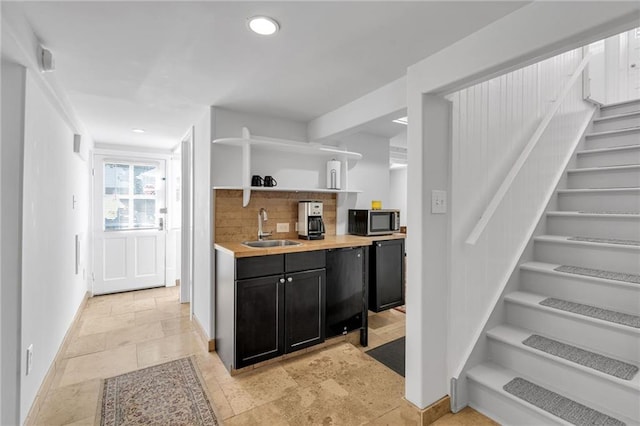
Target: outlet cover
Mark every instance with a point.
(282, 227)
(438, 202)
(29, 358)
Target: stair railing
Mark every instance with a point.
(488, 213)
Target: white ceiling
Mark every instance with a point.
(157, 65)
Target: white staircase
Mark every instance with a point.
(597, 230)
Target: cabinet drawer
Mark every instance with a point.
(259, 266)
(303, 261)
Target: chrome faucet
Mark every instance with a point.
(262, 216)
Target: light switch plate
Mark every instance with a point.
(282, 227)
(438, 201)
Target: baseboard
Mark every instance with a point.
(208, 343)
(425, 416)
(56, 364)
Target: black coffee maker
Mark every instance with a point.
(310, 224)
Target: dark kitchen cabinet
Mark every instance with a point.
(267, 306)
(258, 318)
(386, 275)
(346, 290)
(304, 309)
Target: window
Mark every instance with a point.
(129, 196)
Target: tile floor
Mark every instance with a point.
(337, 385)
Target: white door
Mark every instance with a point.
(129, 232)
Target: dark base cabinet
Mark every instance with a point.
(258, 319)
(386, 275)
(267, 306)
(346, 290)
(304, 312)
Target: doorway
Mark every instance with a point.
(129, 223)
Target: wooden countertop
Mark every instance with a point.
(329, 242)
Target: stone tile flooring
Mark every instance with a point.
(337, 385)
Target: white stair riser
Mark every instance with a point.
(588, 389)
(611, 141)
(620, 109)
(609, 158)
(583, 290)
(502, 408)
(622, 228)
(555, 324)
(627, 201)
(617, 123)
(623, 259)
(619, 178)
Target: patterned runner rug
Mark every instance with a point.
(171, 393)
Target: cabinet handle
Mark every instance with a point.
(281, 280)
(289, 279)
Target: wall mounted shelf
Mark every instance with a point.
(248, 141)
(283, 189)
(285, 145)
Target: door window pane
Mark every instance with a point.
(116, 178)
(116, 212)
(145, 180)
(144, 213)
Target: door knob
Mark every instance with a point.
(281, 280)
(289, 279)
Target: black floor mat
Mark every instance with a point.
(390, 354)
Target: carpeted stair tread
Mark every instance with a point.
(613, 367)
(606, 241)
(558, 405)
(593, 312)
(599, 273)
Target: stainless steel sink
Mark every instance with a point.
(271, 243)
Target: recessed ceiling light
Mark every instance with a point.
(263, 25)
(402, 120)
(137, 130)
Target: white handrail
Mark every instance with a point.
(508, 181)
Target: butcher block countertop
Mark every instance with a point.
(329, 242)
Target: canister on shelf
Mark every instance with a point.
(333, 174)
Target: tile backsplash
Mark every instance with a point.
(234, 223)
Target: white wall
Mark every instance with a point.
(370, 175)
(202, 297)
(290, 170)
(398, 192)
(492, 122)
(51, 289)
(613, 79)
(11, 149)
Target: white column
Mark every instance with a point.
(428, 250)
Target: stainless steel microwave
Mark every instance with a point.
(374, 222)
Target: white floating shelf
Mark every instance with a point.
(285, 145)
(283, 189)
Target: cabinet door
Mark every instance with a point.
(304, 309)
(259, 319)
(387, 275)
(345, 289)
